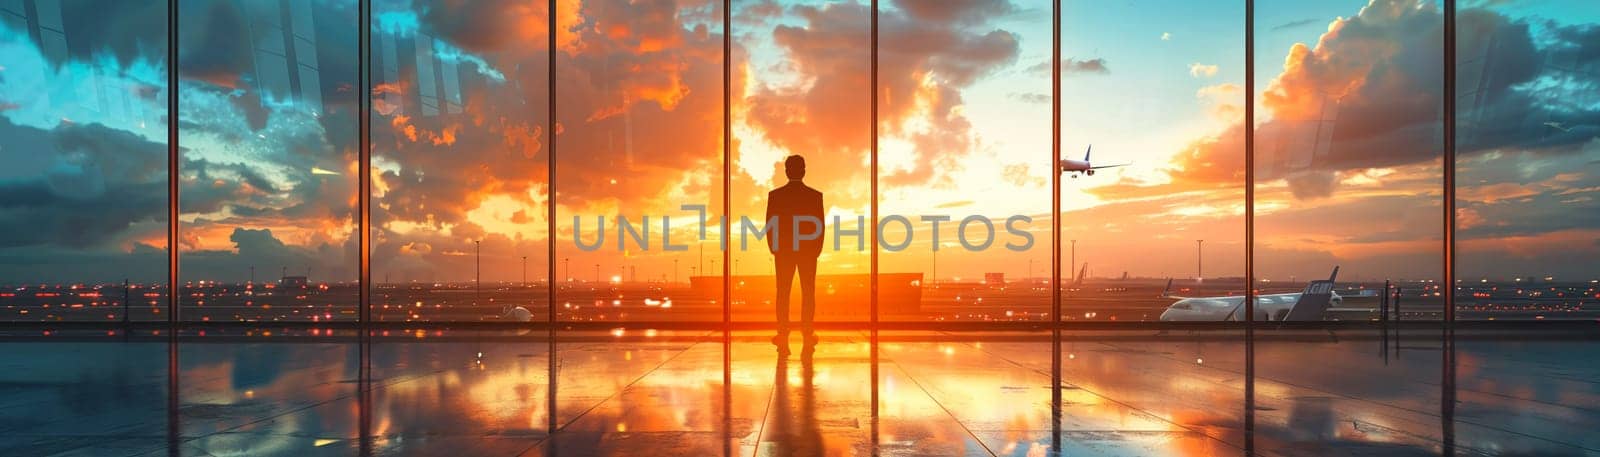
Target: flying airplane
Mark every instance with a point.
(1083, 166)
(1307, 305)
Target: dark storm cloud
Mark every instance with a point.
(95, 186)
(1575, 44)
(214, 43)
(261, 248)
(215, 48)
(127, 30)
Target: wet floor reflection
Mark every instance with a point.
(621, 392)
(267, 398)
(465, 398)
(632, 392)
(821, 390)
(89, 398)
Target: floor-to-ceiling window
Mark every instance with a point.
(268, 163)
(1348, 135)
(802, 85)
(1349, 140)
(459, 165)
(964, 164)
(83, 161)
(1160, 103)
(638, 161)
(1528, 161)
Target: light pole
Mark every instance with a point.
(477, 271)
(674, 271)
(597, 273)
(1199, 260)
(568, 262)
(1073, 268)
(524, 272)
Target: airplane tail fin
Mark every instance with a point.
(1314, 300)
(1167, 292)
(1086, 153)
(1078, 280)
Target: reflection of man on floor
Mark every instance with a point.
(796, 431)
(796, 241)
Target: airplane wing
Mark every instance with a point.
(1110, 166)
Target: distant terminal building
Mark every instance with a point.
(994, 279)
(293, 281)
(837, 294)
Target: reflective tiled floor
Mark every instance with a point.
(643, 392)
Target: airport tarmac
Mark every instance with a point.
(1025, 300)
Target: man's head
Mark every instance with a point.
(794, 167)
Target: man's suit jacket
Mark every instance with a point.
(787, 202)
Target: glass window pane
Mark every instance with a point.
(1159, 102)
(268, 169)
(964, 157)
(640, 135)
(801, 87)
(1348, 151)
(459, 166)
(83, 136)
(1528, 161)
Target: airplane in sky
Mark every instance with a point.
(1083, 166)
(1307, 305)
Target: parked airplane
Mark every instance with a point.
(1307, 305)
(1083, 166)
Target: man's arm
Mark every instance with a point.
(772, 234)
(817, 210)
(814, 208)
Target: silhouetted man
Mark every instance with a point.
(796, 241)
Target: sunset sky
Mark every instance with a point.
(1348, 143)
